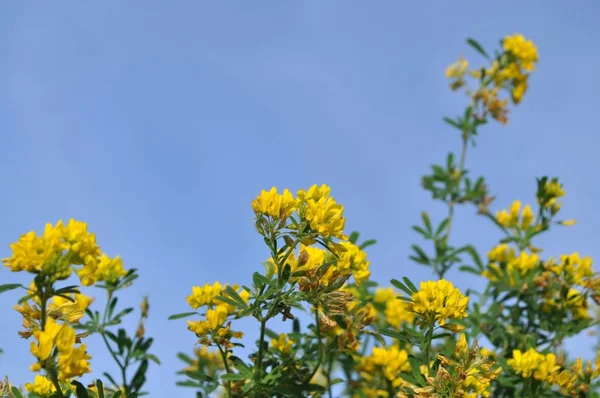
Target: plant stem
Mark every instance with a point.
(321, 353)
(43, 315)
(224, 356)
(122, 367)
(429, 338)
(261, 343)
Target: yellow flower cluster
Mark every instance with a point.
(389, 362)
(316, 206)
(575, 380)
(574, 273)
(552, 191)
(58, 249)
(72, 360)
(322, 212)
(508, 71)
(395, 311)
(274, 204)
(213, 327)
(438, 301)
(511, 218)
(503, 256)
(532, 363)
(282, 344)
(40, 386)
(205, 295)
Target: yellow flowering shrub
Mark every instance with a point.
(324, 327)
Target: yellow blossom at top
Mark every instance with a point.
(31, 252)
(523, 49)
(575, 268)
(322, 212)
(438, 301)
(274, 204)
(510, 219)
(282, 344)
(458, 69)
(204, 295)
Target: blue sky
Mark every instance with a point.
(158, 124)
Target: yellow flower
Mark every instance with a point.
(390, 361)
(71, 311)
(510, 219)
(41, 386)
(216, 317)
(501, 253)
(282, 344)
(273, 204)
(110, 269)
(438, 301)
(524, 50)
(204, 295)
(458, 69)
(73, 362)
(396, 313)
(30, 253)
(531, 363)
(80, 241)
(322, 212)
(45, 339)
(355, 261)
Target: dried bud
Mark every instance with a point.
(140, 331)
(303, 258)
(144, 307)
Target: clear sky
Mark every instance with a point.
(158, 122)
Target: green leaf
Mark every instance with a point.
(426, 221)
(442, 226)
(410, 285)
(16, 392)
(401, 286)
(466, 268)
(233, 376)
(112, 306)
(10, 286)
(421, 257)
(229, 301)
(152, 358)
(421, 231)
(475, 256)
(453, 123)
(234, 295)
(80, 390)
(182, 315)
(367, 243)
(100, 388)
(259, 280)
(185, 358)
(353, 238)
(117, 394)
(477, 47)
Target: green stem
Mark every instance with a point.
(261, 343)
(224, 356)
(43, 309)
(122, 367)
(428, 346)
(321, 351)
